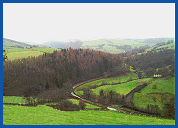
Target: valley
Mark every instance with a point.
(77, 85)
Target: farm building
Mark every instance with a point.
(157, 76)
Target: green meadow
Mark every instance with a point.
(45, 49)
(45, 115)
(154, 93)
(107, 81)
(13, 99)
(123, 88)
(18, 53)
(110, 45)
(25, 54)
(75, 101)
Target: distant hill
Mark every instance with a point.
(14, 44)
(153, 40)
(105, 45)
(112, 45)
(61, 44)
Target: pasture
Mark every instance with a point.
(45, 115)
(107, 81)
(110, 45)
(18, 53)
(45, 49)
(123, 88)
(155, 92)
(132, 43)
(76, 101)
(25, 54)
(13, 99)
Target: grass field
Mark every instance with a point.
(75, 101)
(111, 49)
(25, 54)
(20, 100)
(12, 43)
(45, 49)
(132, 43)
(124, 88)
(18, 53)
(110, 45)
(121, 79)
(170, 46)
(13, 99)
(148, 95)
(45, 115)
(9, 50)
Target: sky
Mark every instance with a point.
(43, 22)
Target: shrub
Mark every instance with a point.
(67, 105)
(82, 105)
(102, 93)
(169, 108)
(104, 83)
(154, 87)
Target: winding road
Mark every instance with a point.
(108, 108)
(100, 105)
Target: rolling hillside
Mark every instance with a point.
(114, 46)
(153, 40)
(7, 43)
(19, 50)
(64, 44)
(106, 45)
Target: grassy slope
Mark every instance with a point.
(170, 46)
(13, 99)
(132, 43)
(75, 101)
(20, 100)
(13, 52)
(17, 53)
(25, 54)
(144, 98)
(108, 44)
(45, 49)
(13, 43)
(121, 79)
(124, 88)
(45, 115)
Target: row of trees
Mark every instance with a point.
(105, 97)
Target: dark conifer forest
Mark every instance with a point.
(60, 69)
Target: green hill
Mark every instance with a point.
(154, 40)
(7, 43)
(18, 50)
(156, 93)
(112, 45)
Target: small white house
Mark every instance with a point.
(157, 75)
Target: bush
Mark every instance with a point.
(169, 108)
(104, 83)
(102, 93)
(67, 105)
(154, 87)
(82, 105)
